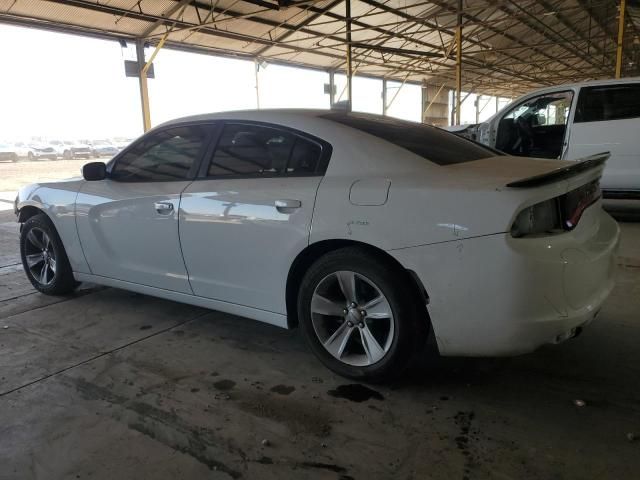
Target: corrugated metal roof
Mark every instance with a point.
(509, 46)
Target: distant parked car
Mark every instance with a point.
(59, 146)
(39, 151)
(103, 148)
(23, 150)
(8, 153)
(121, 142)
(568, 122)
(76, 149)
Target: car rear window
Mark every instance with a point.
(434, 144)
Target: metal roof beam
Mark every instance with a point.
(542, 31)
(504, 34)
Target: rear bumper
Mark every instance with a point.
(497, 295)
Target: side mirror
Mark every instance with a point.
(93, 171)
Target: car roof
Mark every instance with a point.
(267, 114)
(589, 83)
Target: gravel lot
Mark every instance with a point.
(13, 176)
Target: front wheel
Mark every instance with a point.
(43, 257)
(359, 314)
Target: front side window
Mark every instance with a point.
(256, 150)
(162, 156)
(548, 109)
(608, 102)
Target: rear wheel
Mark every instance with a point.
(43, 257)
(30, 156)
(359, 315)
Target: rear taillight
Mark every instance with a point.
(556, 215)
(574, 203)
(539, 219)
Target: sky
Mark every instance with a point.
(61, 86)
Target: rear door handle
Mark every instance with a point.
(163, 208)
(285, 206)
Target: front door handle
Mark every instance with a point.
(286, 206)
(163, 208)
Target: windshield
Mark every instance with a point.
(432, 143)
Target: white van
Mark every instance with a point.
(572, 121)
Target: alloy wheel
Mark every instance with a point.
(352, 318)
(40, 256)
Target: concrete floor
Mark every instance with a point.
(108, 384)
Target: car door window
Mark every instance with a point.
(256, 150)
(536, 127)
(549, 109)
(167, 155)
(608, 102)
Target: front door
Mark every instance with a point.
(128, 223)
(244, 222)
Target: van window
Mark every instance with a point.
(536, 127)
(548, 109)
(608, 102)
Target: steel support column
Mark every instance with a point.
(459, 62)
(332, 88)
(256, 65)
(623, 5)
(144, 90)
(384, 96)
(144, 68)
(347, 5)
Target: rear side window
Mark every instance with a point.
(432, 143)
(608, 102)
(256, 150)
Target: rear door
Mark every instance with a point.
(607, 119)
(249, 214)
(128, 222)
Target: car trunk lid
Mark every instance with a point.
(522, 172)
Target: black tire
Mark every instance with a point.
(410, 322)
(30, 156)
(58, 281)
(66, 155)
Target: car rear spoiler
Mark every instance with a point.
(561, 173)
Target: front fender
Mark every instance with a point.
(57, 200)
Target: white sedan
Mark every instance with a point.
(369, 233)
